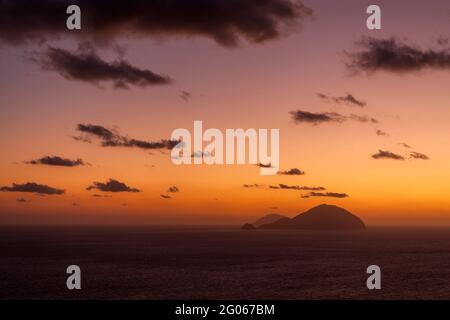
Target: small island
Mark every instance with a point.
(322, 217)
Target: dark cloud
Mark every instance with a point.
(362, 119)
(292, 172)
(33, 187)
(262, 165)
(173, 189)
(57, 161)
(22, 200)
(300, 116)
(381, 154)
(75, 204)
(273, 208)
(164, 196)
(381, 133)
(110, 138)
(186, 96)
(418, 155)
(255, 185)
(288, 187)
(348, 99)
(325, 194)
(393, 55)
(224, 21)
(87, 66)
(112, 186)
(200, 154)
(404, 145)
(101, 196)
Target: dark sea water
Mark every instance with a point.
(222, 263)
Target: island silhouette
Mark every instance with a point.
(267, 219)
(322, 217)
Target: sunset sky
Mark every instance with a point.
(255, 83)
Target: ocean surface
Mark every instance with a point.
(148, 262)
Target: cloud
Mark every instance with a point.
(57, 161)
(101, 196)
(226, 22)
(200, 154)
(387, 155)
(173, 189)
(22, 200)
(362, 119)
(322, 96)
(292, 172)
(381, 133)
(186, 96)
(325, 194)
(255, 185)
(348, 99)
(404, 145)
(110, 138)
(300, 116)
(262, 165)
(418, 155)
(395, 56)
(75, 204)
(33, 187)
(164, 196)
(111, 186)
(88, 67)
(288, 187)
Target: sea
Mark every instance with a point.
(222, 262)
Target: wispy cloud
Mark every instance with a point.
(110, 138)
(295, 187)
(33, 187)
(111, 186)
(384, 154)
(292, 172)
(404, 145)
(362, 119)
(57, 161)
(264, 165)
(396, 56)
(96, 195)
(418, 155)
(325, 194)
(254, 185)
(89, 67)
(200, 154)
(348, 99)
(173, 189)
(300, 116)
(186, 96)
(381, 133)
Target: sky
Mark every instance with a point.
(363, 114)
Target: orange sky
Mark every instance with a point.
(253, 86)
